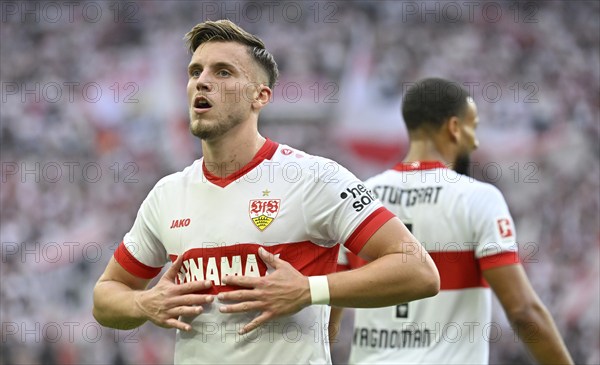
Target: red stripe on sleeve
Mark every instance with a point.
(498, 260)
(132, 265)
(367, 228)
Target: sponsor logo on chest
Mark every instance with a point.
(216, 268)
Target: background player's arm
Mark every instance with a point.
(335, 321)
(527, 314)
(121, 301)
(400, 271)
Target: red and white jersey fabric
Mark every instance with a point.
(294, 205)
(466, 227)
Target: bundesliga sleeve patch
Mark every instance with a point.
(505, 229)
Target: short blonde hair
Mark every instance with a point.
(227, 31)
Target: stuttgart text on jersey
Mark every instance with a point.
(407, 197)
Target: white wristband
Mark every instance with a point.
(319, 289)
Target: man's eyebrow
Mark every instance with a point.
(218, 65)
(223, 64)
(193, 65)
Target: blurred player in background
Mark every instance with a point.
(250, 207)
(466, 227)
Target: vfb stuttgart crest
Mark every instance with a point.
(264, 211)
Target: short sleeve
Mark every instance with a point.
(495, 234)
(141, 253)
(339, 208)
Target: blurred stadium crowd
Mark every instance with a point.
(94, 113)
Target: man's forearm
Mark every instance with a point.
(115, 306)
(539, 333)
(414, 276)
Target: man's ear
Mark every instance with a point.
(453, 128)
(263, 97)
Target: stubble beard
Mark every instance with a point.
(462, 165)
(207, 131)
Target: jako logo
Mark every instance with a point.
(177, 223)
(360, 194)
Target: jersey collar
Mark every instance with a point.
(265, 153)
(419, 165)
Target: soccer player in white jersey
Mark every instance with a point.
(466, 227)
(252, 207)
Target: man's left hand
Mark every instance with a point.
(284, 291)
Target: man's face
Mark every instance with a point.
(223, 84)
(468, 142)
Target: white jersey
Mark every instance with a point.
(466, 227)
(294, 205)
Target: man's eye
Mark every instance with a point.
(223, 73)
(195, 73)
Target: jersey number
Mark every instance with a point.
(402, 310)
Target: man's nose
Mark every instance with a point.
(204, 83)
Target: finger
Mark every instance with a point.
(241, 307)
(243, 281)
(193, 287)
(239, 295)
(268, 258)
(192, 299)
(174, 323)
(185, 311)
(255, 323)
(171, 274)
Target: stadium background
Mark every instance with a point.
(94, 113)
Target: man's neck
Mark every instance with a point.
(229, 153)
(427, 149)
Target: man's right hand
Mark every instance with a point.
(164, 303)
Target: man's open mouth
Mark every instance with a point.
(201, 102)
